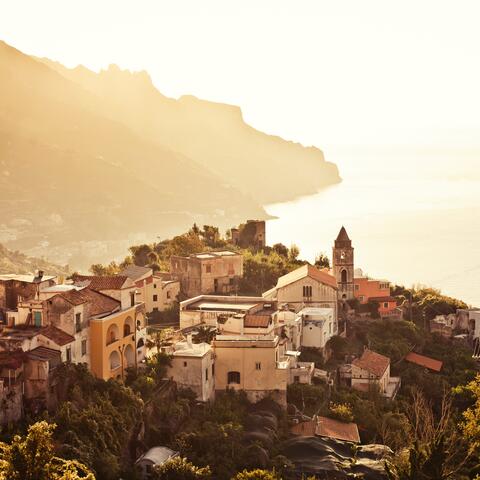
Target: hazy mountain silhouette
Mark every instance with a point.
(88, 161)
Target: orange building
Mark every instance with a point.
(367, 289)
(117, 342)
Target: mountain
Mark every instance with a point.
(16, 262)
(90, 163)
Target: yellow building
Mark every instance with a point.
(254, 364)
(117, 342)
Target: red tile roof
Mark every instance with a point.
(99, 302)
(304, 429)
(307, 270)
(112, 282)
(43, 353)
(387, 298)
(372, 362)
(327, 427)
(55, 334)
(256, 321)
(427, 362)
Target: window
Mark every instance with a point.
(344, 277)
(307, 291)
(233, 377)
(69, 354)
(357, 286)
(154, 285)
(168, 294)
(78, 322)
(296, 379)
(206, 374)
(184, 364)
(84, 347)
(258, 366)
(132, 299)
(208, 268)
(37, 317)
(155, 298)
(330, 327)
(385, 304)
(361, 298)
(155, 309)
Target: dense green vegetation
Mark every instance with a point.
(261, 267)
(33, 458)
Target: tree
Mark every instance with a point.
(322, 261)
(140, 254)
(180, 469)
(293, 253)
(471, 416)
(281, 249)
(205, 334)
(103, 270)
(341, 411)
(33, 458)
(256, 475)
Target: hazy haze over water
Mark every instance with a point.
(413, 217)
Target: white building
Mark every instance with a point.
(319, 325)
(156, 456)
(307, 286)
(193, 367)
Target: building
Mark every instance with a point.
(252, 364)
(158, 291)
(423, 361)
(15, 288)
(208, 273)
(443, 325)
(156, 456)
(373, 369)
(249, 235)
(370, 290)
(193, 367)
(343, 265)
(318, 327)
(327, 428)
(223, 312)
(307, 286)
(117, 341)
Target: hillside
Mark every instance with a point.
(92, 163)
(16, 262)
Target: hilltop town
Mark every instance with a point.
(231, 344)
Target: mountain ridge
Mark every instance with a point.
(90, 163)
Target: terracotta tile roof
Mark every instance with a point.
(307, 270)
(327, 427)
(112, 282)
(44, 353)
(99, 302)
(304, 429)
(257, 321)
(372, 362)
(427, 362)
(135, 272)
(330, 428)
(55, 334)
(387, 298)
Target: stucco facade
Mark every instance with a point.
(117, 342)
(253, 365)
(208, 273)
(192, 366)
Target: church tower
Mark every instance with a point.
(342, 263)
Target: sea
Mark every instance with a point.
(413, 216)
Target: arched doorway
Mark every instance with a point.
(112, 333)
(114, 360)
(129, 356)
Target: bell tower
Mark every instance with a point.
(342, 263)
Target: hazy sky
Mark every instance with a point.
(323, 72)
